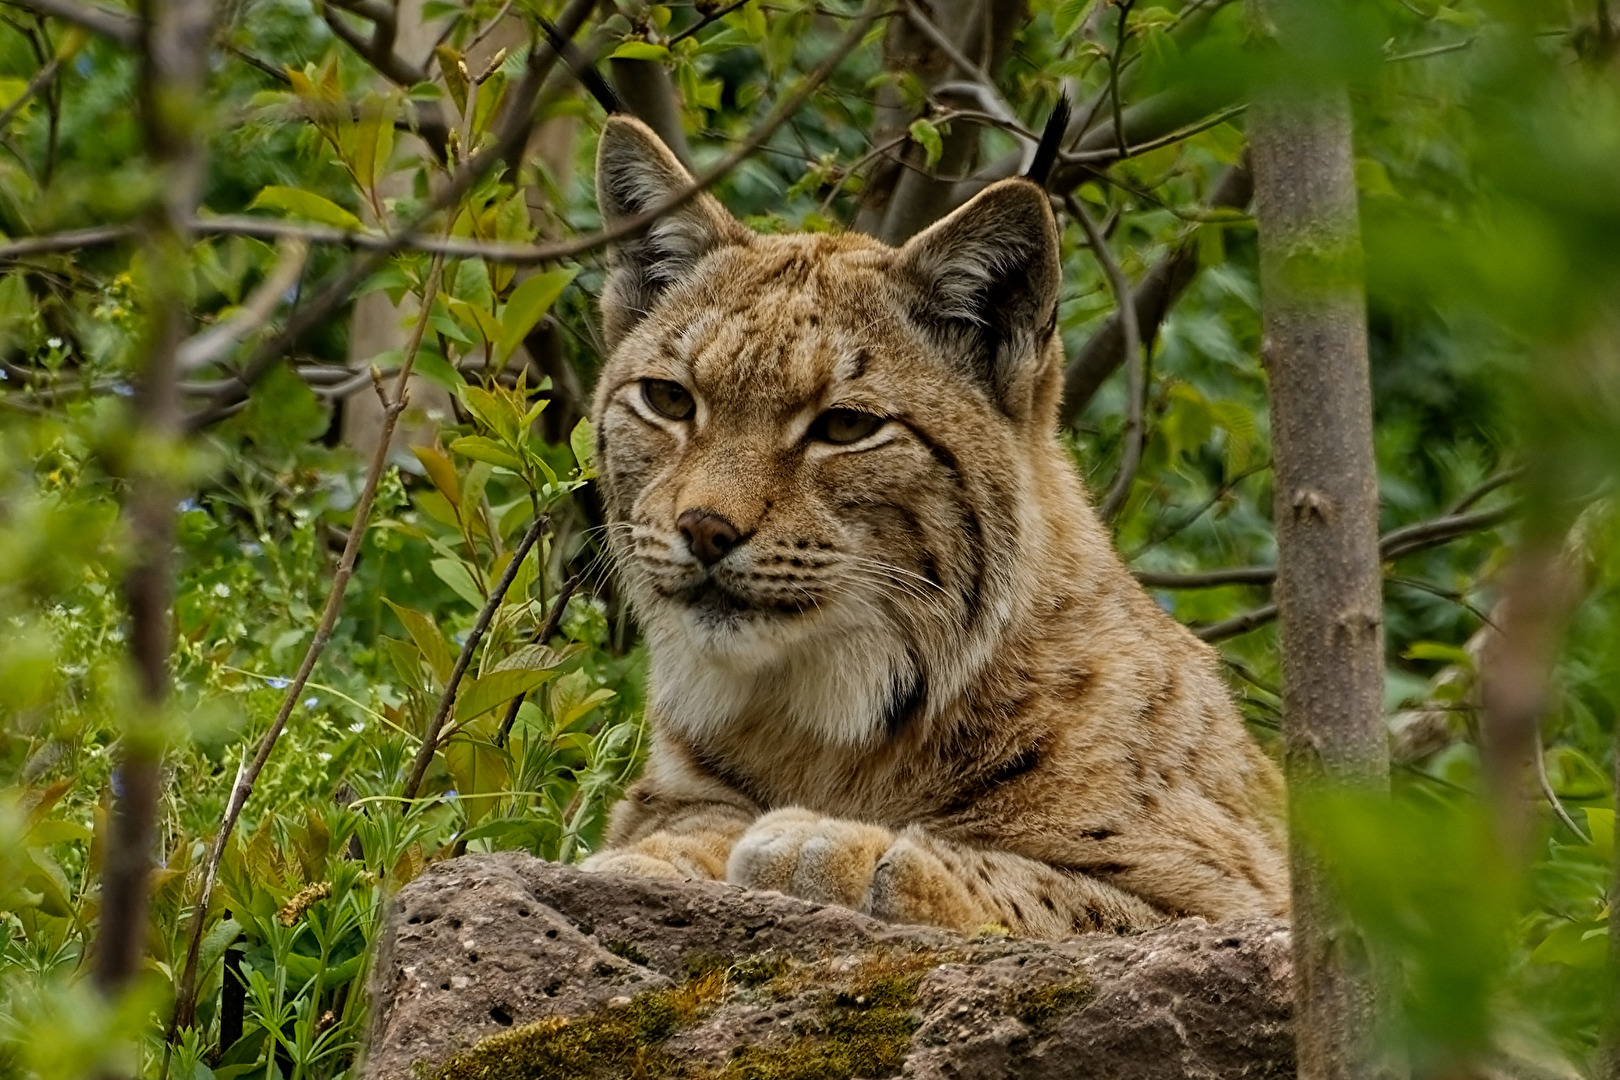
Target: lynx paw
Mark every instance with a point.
(666, 855)
(632, 862)
(827, 860)
(912, 884)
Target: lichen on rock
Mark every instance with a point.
(504, 967)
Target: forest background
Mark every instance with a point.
(222, 219)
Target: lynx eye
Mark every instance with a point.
(668, 399)
(843, 426)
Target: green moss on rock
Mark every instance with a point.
(1044, 1003)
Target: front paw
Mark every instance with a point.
(634, 863)
(824, 859)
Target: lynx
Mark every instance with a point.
(896, 663)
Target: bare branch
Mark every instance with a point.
(41, 78)
(447, 699)
(543, 635)
(379, 51)
(1155, 295)
(186, 994)
(213, 343)
(1428, 534)
(1209, 579)
(1237, 624)
(1501, 479)
(1392, 545)
(319, 309)
(97, 18)
(510, 136)
(1136, 365)
(1551, 795)
(173, 65)
(57, 243)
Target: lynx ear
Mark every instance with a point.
(984, 284)
(635, 172)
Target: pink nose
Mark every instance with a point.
(708, 535)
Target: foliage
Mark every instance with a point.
(1486, 155)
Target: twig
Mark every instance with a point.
(321, 308)
(1427, 534)
(56, 243)
(41, 77)
(1152, 300)
(108, 22)
(212, 344)
(1113, 74)
(511, 135)
(379, 51)
(712, 16)
(543, 635)
(1394, 544)
(1237, 624)
(1209, 579)
(1434, 50)
(1170, 138)
(1460, 599)
(1135, 361)
(1501, 479)
(186, 995)
(171, 72)
(430, 738)
(859, 164)
(1197, 512)
(1553, 800)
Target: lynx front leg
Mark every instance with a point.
(923, 877)
(917, 877)
(692, 844)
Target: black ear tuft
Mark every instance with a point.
(1046, 152)
(587, 75)
(635, 173)
(983, 284)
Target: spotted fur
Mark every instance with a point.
(921, 682)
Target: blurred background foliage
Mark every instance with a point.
(1488, 147)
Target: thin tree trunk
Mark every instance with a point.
(174, 40)
(1326, 509)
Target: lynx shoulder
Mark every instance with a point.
(896, 663)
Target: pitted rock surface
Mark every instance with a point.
(481, 945)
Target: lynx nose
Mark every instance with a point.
(708, 535)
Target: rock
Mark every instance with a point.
(504, 967)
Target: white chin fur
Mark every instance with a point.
(831, 678)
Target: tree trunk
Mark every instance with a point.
(1328, 579)
(174, 37)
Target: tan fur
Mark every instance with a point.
(923, 685)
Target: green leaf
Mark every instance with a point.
(482, 448)
(1067, 17)
(480, 695)
(440, 471)
(460, 579)
(1577, 945)
(455, 75)
(306, 205)
(428, 637)
(639, 50)
(1600, 823)
(528, 302)
(534, 658)
(926, 135)
(582, 441)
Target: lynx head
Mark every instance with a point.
(817, 452)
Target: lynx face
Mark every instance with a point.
(814, 449)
